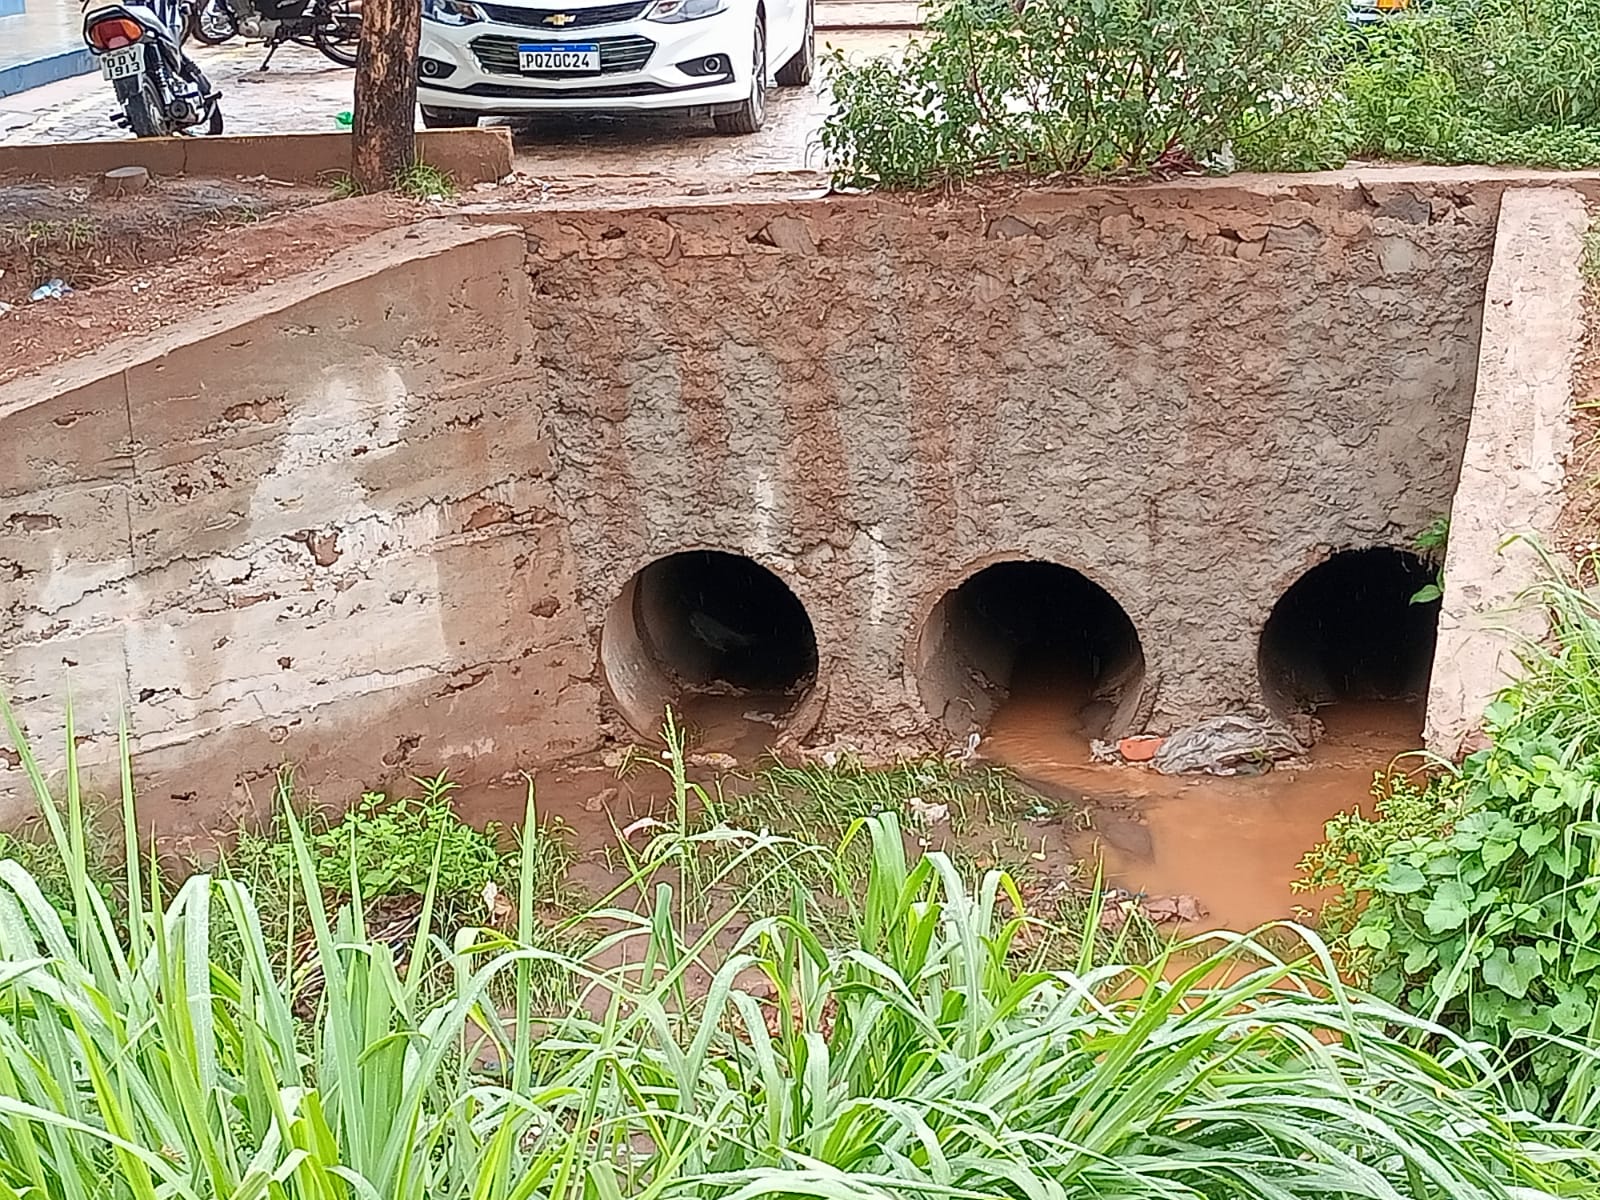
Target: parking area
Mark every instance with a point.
(304, 92)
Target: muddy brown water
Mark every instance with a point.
(1235, 842)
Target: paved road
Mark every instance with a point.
(304, 92)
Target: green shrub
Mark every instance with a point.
(1525, 64)
(1483, 913)
(1087, 87)
(1348, 864)
(387, 846)
(1490, 81)
(1071, 87)
(1403, 102)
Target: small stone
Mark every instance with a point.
(791, 234)
(600, 800)
(1397, 256)
(1118, 227)
(714, 759)
(1300, 235)
(1009, 226)
(1248, 251)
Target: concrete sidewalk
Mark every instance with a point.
(41, 41)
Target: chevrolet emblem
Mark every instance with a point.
(560, 19)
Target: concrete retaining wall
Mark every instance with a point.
(374, 518)
(1512, 471)
(321, 529)
(1189, 395)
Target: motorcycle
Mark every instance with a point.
(331, 26)
(162, 91)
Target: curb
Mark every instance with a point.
(41, 71)
(469, 156)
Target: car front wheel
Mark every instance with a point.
(798, 70)
(747, 118)
(448, 118)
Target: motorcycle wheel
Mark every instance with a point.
(140, 106)
(338, 34)
(213, 23)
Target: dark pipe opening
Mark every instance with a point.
(1347, 630)
(706, 624)
(1028, 627)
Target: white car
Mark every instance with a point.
(518, 58)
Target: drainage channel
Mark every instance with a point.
(1348, 641)
(1043, 660)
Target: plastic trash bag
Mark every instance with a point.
(1232, 744)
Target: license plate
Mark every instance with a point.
(571, 59)
(1392, 5)
(122, 64)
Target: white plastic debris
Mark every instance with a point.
(1240, 743)
(926, 812)
(54, 290)
(1103, 751)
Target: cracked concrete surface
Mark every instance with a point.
(254, 537)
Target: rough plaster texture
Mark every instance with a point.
(1191, 396)
(374, 519)
(320, 531)
(1513, 465)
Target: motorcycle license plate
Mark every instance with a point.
(122, 64)
(571, 59)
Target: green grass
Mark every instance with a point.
(822, 799)
(344, 187)
(916, 1055)
(39, 857)
(422, 182)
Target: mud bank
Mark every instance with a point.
(388, 514)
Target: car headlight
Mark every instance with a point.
(452, 12)
(670, 12)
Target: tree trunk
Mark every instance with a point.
(384, 130)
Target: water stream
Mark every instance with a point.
(1231, 842)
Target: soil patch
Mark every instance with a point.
(144, 262)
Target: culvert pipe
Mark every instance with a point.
(710, 634)
(1349, 630)
(1029, 626)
